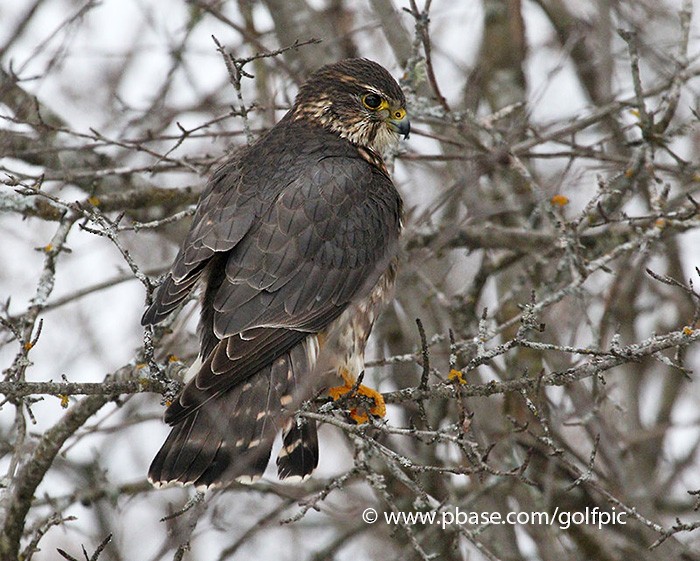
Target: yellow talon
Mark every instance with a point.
(336, 392)
(379, 407)
(359, 415)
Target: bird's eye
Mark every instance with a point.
(372, 101)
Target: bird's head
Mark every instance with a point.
(358, 99)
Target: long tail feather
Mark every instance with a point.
(229, 437)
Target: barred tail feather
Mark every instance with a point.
(299, 454)
(228, 436)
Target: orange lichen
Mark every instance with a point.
(456, 375)
(559, 200)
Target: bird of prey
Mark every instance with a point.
(294, 245)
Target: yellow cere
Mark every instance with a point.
(376, 102)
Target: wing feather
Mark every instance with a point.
(289, 233)
(297, 248)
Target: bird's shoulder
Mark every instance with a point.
(289, 151)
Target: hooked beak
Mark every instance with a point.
(401, 125)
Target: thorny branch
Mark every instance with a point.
(541, 402)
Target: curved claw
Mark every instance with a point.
(376, 407)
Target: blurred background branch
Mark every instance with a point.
(550, 252)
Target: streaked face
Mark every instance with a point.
(359, 100)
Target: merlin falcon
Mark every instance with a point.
(294, 244)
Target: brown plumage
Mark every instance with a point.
(294, 243)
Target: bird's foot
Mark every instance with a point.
(369, 401)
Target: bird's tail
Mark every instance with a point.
(229, 437)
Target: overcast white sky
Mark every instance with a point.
(95, 49)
